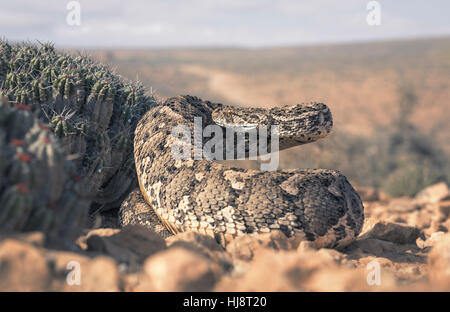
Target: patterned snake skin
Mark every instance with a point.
(210, 197)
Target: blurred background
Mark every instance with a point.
(383, 67)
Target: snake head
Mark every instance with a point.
(303, 123)
(297, 124)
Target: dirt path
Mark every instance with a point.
(228, 85)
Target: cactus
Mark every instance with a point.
(36, 192)
(91, 110)
(66, 138)
(16, 205)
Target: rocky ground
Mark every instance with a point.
(404, 246)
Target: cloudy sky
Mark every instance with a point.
(247, 23)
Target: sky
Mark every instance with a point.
(201, 23)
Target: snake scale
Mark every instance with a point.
(215, 199)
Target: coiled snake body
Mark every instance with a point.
(224, 202)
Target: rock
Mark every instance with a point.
(439, 264)
(410, 273)
(100, 274)
(293, 271)
(282, 272)
(131, 245)
(400, 220)
(204, 245)
(97, 274)
(135, 259)
(178, 269)
(332, 254)
(444, 208)
(402, 204)
(37, 239)
(373, 246)
(306, 246)
(432, 240)
(384, 262)
(23, 267)
(420, 218)
(346, 279)
(433, 193)
(373, 209)
(102, 232)
(392, 232)
(196, 239)
(446, 225)
(436, 225)
(396, 275)
(368, 225)
(244, 247)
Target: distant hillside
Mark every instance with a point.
(370, 87)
